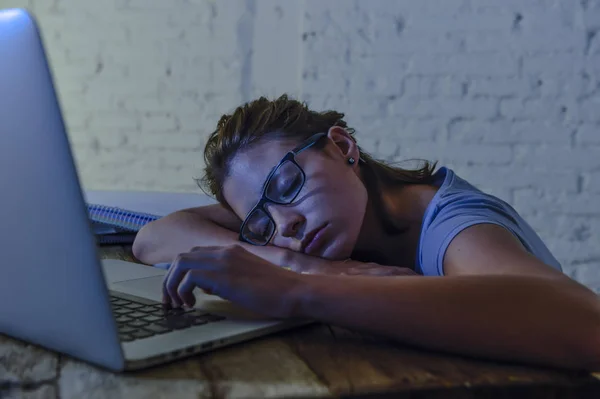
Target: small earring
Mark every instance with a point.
(351, 161)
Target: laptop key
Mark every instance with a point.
(206, 318)
(148, 309)
(134, 305)
(125, 337)
(173, 323)
(136, 315)
(123, 319)
(141, 334)
(151, 317)
(126, 329)
(156, 312)
(197, 321)
(137, 323)
(174, 312)
(181, 324)
(157, 329)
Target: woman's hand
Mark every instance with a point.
(235, 274)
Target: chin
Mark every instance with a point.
(337, 250)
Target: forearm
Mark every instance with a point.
(530, 319)
(165, 238)
(179, 232)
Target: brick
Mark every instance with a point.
(550, 40)
(553, 64)
(398, 128)
(418, 86)
(499, 87)
(111, 138)
(387, 149)
(464, 20)
(588, 270)
(584, 204)
(515, 177)
(158, 122)
(380, 77)
(467, 108)
(429, 86)
(588, 134)
(594, 46)
(545, 109)
(591, 18)
(368, 144)
(570, 87)
(320, 79)
(589, 110)
(509, 132)
(184, 141)
(459, 154)
(566, 228)
(594, 182)
(495, 64)
(149, 176)
(569, 252)
(592, 65)
(551, 157)
(106, 120)
(414, 39)
(449, 87)
(488, 41)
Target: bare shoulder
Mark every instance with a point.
(218, 214)
(492, 249)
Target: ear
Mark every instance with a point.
(344, 144)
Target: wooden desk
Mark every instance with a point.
(314, 361)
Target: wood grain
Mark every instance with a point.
(312, 361)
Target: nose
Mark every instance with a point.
(289, 221)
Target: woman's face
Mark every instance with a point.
(327, 214)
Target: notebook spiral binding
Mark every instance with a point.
(119, 218)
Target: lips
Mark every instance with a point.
(313, 239)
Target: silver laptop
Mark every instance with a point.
(54, 290)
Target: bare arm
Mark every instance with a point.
(179, 232)
(511, 307)
(213, 225)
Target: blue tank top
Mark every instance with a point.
(458, 205)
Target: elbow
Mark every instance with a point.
(140, 247)
(591, 361)
(589, 338)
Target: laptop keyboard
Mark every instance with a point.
(141, 318)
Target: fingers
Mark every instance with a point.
(177, 272)
(186, 272)
(185, 291)
(166, 298)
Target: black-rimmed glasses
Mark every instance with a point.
(281, 187)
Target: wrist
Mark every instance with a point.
(276, 255)
(305, 296)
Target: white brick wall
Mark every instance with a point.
(506, 92)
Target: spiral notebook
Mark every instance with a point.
(113, 225)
